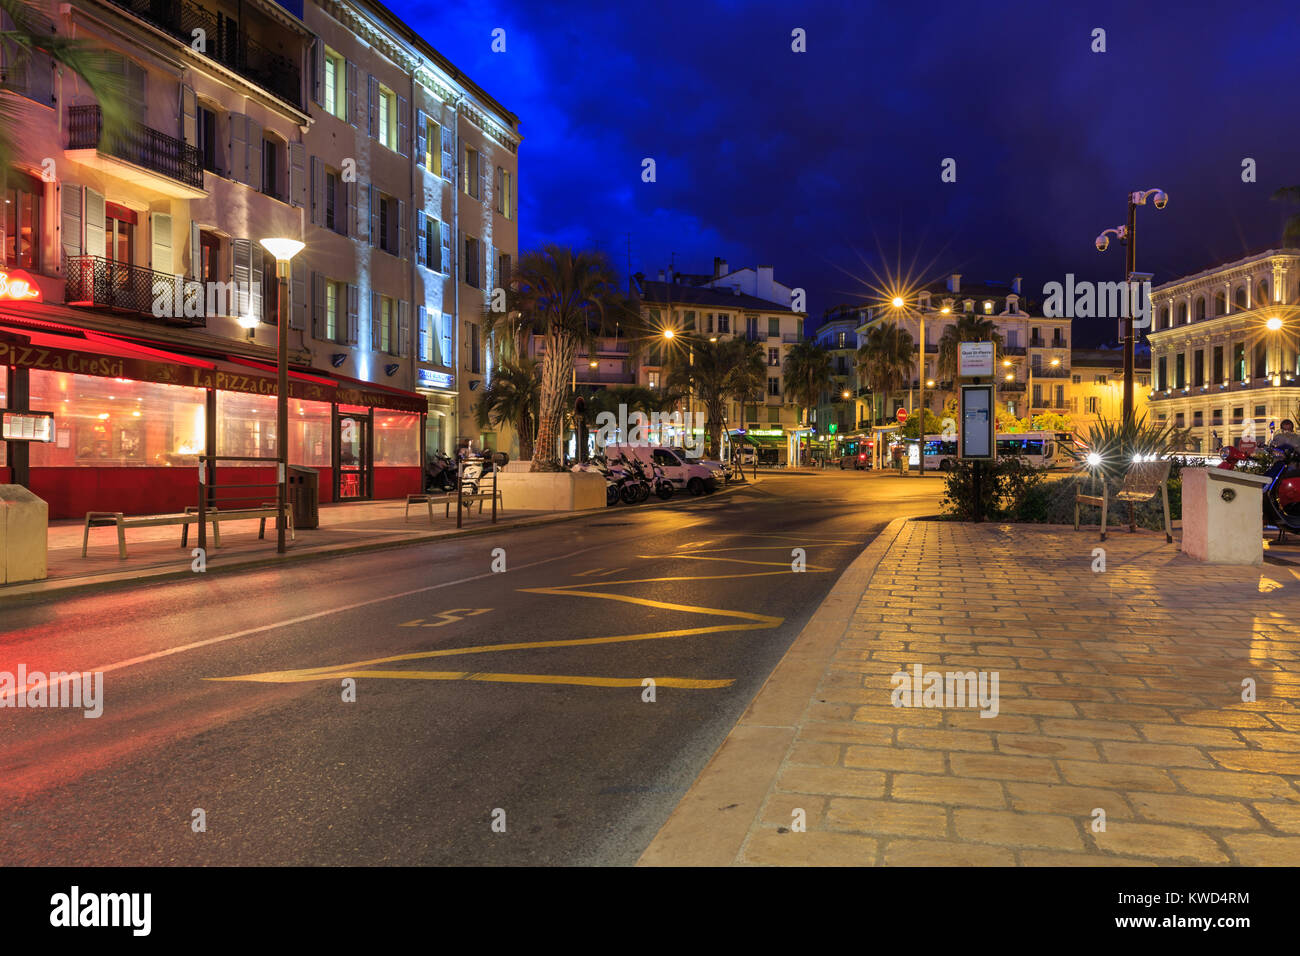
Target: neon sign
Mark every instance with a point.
(18, 285)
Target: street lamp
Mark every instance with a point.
(1128, 235)
(283, 250)
(920, 383)
(669, 335)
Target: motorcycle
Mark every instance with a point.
(637, 486)
(440, 473)
(1282, 493)
(612, 478)
(472, 476)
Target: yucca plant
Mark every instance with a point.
(1113, 444)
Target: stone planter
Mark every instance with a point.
(550, 491)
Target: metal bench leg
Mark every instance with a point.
(1105, 501)
(216, 532)
(185, 533)
(1076, 514)
(121, 540)
(1164, 497)
(85, 537)
(407, 515)
(261, 529)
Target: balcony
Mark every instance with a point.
(227, 44)
(589, 376)
(1011, 386)
(1013, 350)
(140, 155)
(98, 283)
(1051, 372)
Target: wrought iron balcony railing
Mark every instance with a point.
(224, 42)
(140, 145)
(96, 282)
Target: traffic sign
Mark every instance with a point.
(901, 414)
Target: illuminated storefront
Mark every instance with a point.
(130, 421)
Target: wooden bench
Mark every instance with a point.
(1142, 482)
(103, 519)
(430, 501)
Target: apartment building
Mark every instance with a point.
(1224, 355)
(1096, 390)
(148, 326)
(746, 302)
(1034, 362)
(841, 404)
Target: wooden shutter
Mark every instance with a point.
(484, 171)
(189, 116)
(372, 106)
(160, 242)
(136, 83)
(422, 335)
(70, 219)
(318, 71)
(318, 306)
(241, 255)
(354, 302)
(374, 321)
(298, 295)
(421, 143)
(196, 252)
(403, 126)
(448, 152)
(400, 248)
(94, 244)
(403, 329)
(254, 154)
(445, 265)
(362, 209)
(317, 191)
(354, 112)
(255, 280)
(421, 234)
(348, 199)
(239, 147)
(372, 203)
(297, 175)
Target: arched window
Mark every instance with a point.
(1220, 304)
(1239, 299)
(1200, 307)
(1164, 318)
(1261, 294)
(1182, 313)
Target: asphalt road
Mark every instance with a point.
(482, 699)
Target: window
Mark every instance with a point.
(1099, 379)
(1237, 414)
(774, 328)
(428, 342)
(1259, 411)
(1261, 360)
(335, 304)
(503, 269)
(383, 324)
(751, 328)
(432, 147)
(840, 340)
(1217, 369)
(1059, 396)
(1216, 417)
(1076, 379)
(774, 416)
(22, 221)
(472, 347)
(1180, 370)
(1239, 360)
(1198, 367)
(1162, 371)
(708, 322)
(1092, 405)
(505, 198)
(774, 386)
(335, 203)
(689, 325)
(432, 242)
(387, 126)
(724, 322)
(387, 238)
(1198, 419)
(209, 257)
(774, 357)
(471, 262)
(270, 287)
(119, 233)
(334, 85)
(471, 177)
(206, 129)
(1180, 420)
(988, 308)
(272, 167)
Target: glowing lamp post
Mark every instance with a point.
(283, 250)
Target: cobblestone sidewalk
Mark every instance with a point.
(1120, 699)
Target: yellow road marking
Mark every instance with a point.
(296, 677)
(448, 617)
(770, 564)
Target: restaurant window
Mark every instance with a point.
(397, 439)
(22, 221)
(246, 429)
(117, 422)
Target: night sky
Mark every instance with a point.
(826, 164)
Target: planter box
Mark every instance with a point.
(550, 491)
(24, 520)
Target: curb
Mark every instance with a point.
(708, 827)
(36, 590)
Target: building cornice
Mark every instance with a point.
(1227, 272)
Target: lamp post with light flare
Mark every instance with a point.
(283, 250)
(898, 303)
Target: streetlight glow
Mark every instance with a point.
(897, 302)
(1273, 324)
(668, 333)
(282, 249)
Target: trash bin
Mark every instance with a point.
(304, 496)
(1223, 516)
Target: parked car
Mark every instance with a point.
(685, 473)
(859, 462)
(721, 470)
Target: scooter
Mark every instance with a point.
(1282, 493)
(612, 480)
(440, 473)
(637, 487)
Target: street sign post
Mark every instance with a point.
(975, 360)
(901, 415)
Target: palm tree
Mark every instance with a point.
(570, 299)
(1291, 228)
(33, 36)
(967, 328)
(885, 361)
(807, 374)
(720, 371)
(512, 397)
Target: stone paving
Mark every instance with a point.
(1120, 693)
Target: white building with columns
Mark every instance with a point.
(1224, 356)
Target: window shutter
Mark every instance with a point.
(254, 154)
(465, 171)
(421, 142)
(372, 105)
(241, 256)
(483, 177)
(403, 126)
(189, 116)
(318, 71)
(239, 147)
(297, 174)
(349, 207)
(94, 223)
(401, 230)
(361, 227)
(160, 239)
(317, 191)
(498, 190)
(444, 266)
(354, 112)
(196, 252)
(374, 321)
(136, 83)
(255, 280)
(372, 204)
(403, 329)
(423, 350)
(354, 304)
(421, 234)
(70, 226)
(448, 151)
(318, 306)
(298, 295)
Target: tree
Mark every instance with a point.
(967, 328)
(513, 397)
(807, 374)
(720, 370)
(1291, 228)
(570, 299)
(885, 361)
(32, 37)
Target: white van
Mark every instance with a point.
(683, 472)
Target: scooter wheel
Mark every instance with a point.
(664, 491)
(611, 495)
(629, 495)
